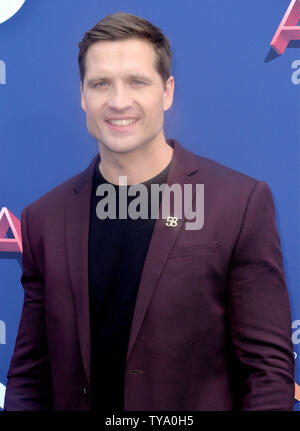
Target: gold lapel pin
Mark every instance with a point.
(171, 221)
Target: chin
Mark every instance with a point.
(121, 147)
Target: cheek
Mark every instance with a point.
(155, 106)
(93, 103)
(93, 115)
(93, 112)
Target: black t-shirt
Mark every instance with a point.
(117, 251)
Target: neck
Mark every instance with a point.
(138, 165)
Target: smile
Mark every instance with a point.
(123, 122)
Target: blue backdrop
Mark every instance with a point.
(235, 102)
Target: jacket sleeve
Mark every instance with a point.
(259, 309)
(29, 379)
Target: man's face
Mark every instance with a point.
(123, 95)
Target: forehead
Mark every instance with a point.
(121, 55)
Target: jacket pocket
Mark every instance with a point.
(204, 247)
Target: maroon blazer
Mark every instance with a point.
(211, 327)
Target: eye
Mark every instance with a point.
(101, 84)
(137, 82)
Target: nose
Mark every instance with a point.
(119, 98)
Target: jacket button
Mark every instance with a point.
(85, 393)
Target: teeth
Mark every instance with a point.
(124, 122)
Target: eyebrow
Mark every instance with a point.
(143, 78)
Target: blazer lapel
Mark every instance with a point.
(163, 238)
(77, 224)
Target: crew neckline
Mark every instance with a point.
(147, 182)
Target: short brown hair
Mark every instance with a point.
(121, 25)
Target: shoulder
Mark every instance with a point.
(229, 185)
(212, 170)
(55, 196)
(54, 200)
(224, 184)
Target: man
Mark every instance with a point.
(145, 313)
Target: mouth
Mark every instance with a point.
(122, 124)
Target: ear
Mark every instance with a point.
(168, 93)
(83, 105)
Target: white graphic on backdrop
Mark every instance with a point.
(2, 341)
(2, 395)
(2, 72)
(296, 334)
(2, 332)
(9, 8)
(296, 75)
